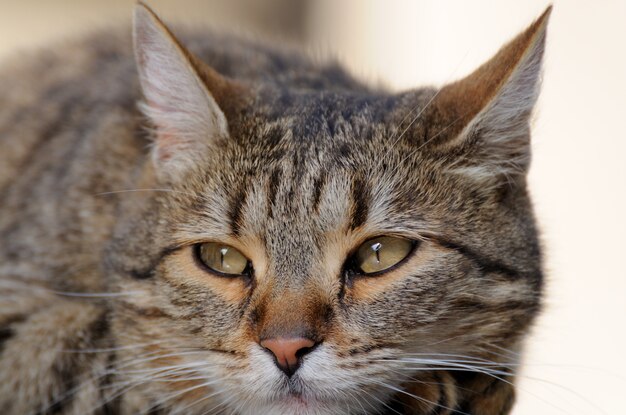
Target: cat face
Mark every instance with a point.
(293, 190)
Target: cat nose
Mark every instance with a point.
(288, 352)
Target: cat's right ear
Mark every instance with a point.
(177, 100)
(481, 123)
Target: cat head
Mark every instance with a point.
(315, 249)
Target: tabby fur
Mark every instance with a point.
(294, 163)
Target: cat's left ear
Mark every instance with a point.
(482, 122)
(177, 98)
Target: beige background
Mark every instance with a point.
(575, 362)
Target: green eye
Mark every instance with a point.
(380, 254)
(222, 259)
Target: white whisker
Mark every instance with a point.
(145, 190)
(97, 295)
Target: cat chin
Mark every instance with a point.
(294, 405)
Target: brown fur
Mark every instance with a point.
(103, 308)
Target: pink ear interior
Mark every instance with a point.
(182, 110)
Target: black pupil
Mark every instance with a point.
(376, 247)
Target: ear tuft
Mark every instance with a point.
(185, 114)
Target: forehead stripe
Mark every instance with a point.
(235, 211)
(360, 202)
(272, 190)
(318, 187)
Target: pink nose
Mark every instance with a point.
(288, 352)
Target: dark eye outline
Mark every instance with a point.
(248, 271)
(351, 269)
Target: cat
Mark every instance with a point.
(261, 234)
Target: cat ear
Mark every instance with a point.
(177, 101)
(487, 114)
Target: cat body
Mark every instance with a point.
(104, 307)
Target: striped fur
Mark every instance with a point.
(103, 309)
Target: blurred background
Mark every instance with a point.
(575, 360)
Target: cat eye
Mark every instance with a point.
(222, 259)
(380, 254)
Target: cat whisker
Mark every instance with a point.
(224, 403)
(157, 356)
(172, 374)
(12, 284)
(156, 370)
(455, 357)
(413, 379)
(114, 371)
(144, 190)
(482, 363)
(176, 394)
(564, 388)
(503, 349)
(242, 403)
(444, 340)
(419, 398)
(499, 375)
(213, 394)
(381, 402)
(437, 364)
(91, 381)
(123, 387)
(467, 357)
(97, 295)
(112, 349)
(358, 401)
